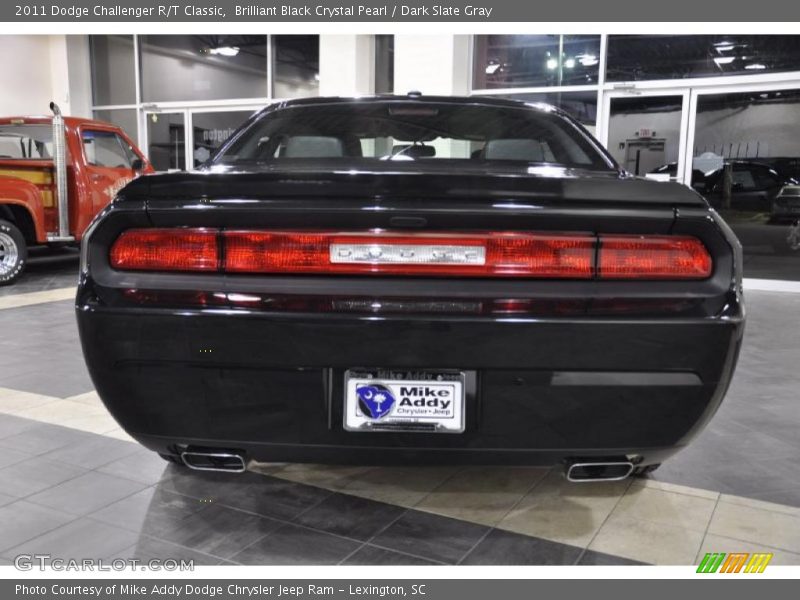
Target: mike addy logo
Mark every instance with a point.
(378, 400)
(734, 562)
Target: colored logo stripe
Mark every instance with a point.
(734, 562)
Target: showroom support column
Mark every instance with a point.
(431, 64)
(346, 65)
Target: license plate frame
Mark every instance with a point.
(418, 408)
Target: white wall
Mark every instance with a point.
(431, 64)
(39, 69)
(346, 65)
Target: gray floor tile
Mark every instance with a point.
(21, 521)
(504, 548)
(263, 495)
(11, 457)
(34, 475)
(147, 549)
(6, 499)
(92, 452)
(151, 511)
(44, 438)
(372, 555)
(293, 545)
(83, 538)
(350, 516)
(430, 536)
(590, 557)
(218, 530)
(11, 425)
(86, 493)
(141, 465)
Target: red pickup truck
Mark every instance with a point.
(56, 174)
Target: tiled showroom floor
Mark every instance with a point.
(72, 484)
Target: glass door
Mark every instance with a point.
(211, 128)
(745, 157)
(166, 141)
(646, 131)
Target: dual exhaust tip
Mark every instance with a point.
(576, 472)
(581, 472)
(202, 460)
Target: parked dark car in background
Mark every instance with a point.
(411, 279)
(754, 185)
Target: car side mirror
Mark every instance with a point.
(137, 165)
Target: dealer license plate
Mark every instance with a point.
(417, 401)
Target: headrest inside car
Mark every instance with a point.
(514, 149)
(414, 150)
(313, 146)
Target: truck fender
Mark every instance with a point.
(19, 192)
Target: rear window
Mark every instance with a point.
(26, 142)
(414, 131)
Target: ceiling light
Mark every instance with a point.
(755, 67)
(724, 46)
(552, 64)
(587, 60)
(224, 50)
(491, 69)
(569, 63)
(724, 60)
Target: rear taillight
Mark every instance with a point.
(471, 255)
(166, 250)
(496, 254)
(653, 257)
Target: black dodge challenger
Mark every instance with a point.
(411, 279)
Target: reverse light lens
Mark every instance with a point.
(166, 250)
(653, 257)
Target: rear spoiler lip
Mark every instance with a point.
(608, 188)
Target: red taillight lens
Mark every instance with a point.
(503, 254)
(653, 257)
(166, 250)
(469, 255)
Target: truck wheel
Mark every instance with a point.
(13, 253)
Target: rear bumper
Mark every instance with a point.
(547, 389)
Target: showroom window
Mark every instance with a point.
(746, 160)
(203, 67)
(519, 61)
(295, 66)
(181, 96)
(643, 57)
(113, 69)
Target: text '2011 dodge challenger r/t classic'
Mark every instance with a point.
(410, 279)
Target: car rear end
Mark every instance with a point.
(411, 315)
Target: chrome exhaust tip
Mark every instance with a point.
(200, 460)
(581, 472)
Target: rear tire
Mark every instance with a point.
(642, 471)
(13, 253)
